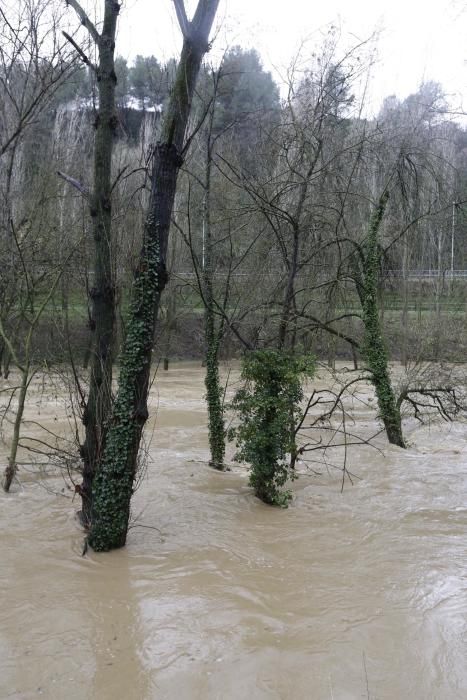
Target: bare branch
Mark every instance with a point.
(75, 183)
(329, 329)
(80, 52)
(119, 176)
(182, 18)
(85, 21)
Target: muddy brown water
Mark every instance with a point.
(359, 594)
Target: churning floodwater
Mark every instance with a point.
(345, 595)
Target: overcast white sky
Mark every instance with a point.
(419, 39)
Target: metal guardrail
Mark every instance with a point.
(409, 274)
(429, 274)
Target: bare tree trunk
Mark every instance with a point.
(438, 298)
(171, 325)
(113, 485)
(293, 267)
(405, 307)
(102, 293)
(26, 376)
(354, 357)
(289, 291)
(8, 283)
(332, 339)
(12, 468)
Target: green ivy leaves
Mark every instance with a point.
(268, 408)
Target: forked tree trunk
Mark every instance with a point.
(374, 349)
(113, 484)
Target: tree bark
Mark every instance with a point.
(216, 425)
(290, 289)
(102, 292)
(11, 469)
(113, 484)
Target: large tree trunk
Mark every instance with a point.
(374, 348)
(113, 485)
(102, 292)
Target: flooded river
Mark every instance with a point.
(359, 594)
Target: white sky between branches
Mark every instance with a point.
(417, 40)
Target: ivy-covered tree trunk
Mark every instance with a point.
(102, 292)
(113, 485)
(214, 398)
(374, 349)
(212, 379)
(269, 412)
(216, 426)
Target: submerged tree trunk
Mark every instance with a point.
(11, 469)
(113, 484)
(374, 348)
(102, 291)
(214, 395)
(26, 376)
(216, 425)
